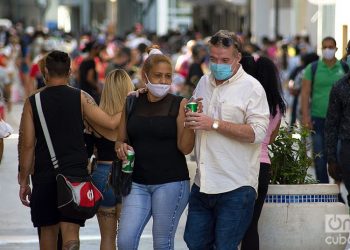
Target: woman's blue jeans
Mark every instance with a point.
(164, 202)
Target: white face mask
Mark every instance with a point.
(328, 53)
(158, 90)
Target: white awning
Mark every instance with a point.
(202, 2)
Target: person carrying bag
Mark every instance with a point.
(64, 109)
(77, 196)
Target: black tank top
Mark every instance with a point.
(62, 110)
(105, 149)
(152, 132)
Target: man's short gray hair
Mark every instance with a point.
(226, 38)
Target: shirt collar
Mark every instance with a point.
(233, 78)
(337, 64)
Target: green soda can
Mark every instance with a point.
(193, 106)
(128, 165)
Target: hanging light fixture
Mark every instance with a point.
(237, 2)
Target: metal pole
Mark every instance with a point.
(319, 29)
(345, 38)
(85, 15)
(276, 18)
(249, 19)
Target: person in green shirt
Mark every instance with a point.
(316, 87)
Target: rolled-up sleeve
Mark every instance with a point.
(258, 113)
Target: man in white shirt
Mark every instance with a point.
(229, 133)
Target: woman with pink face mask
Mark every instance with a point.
(160, 179)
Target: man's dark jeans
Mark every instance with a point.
(319, 149)
(218, 221)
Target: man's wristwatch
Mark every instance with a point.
(215, 125)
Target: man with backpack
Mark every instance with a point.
(318, 80)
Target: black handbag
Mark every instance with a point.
(77, 197)
(119, 181)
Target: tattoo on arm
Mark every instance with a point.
(89, 99)
(71, 245)
(107, 214)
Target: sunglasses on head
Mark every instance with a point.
(227, 42)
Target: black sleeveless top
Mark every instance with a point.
(152, 132)
(62, 110)
(105, 149)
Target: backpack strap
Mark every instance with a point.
(345, 66)
(313, 74)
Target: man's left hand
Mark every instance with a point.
(198, 121)
(25, 193)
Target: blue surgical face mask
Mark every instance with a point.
(348, 59)
(221, 71)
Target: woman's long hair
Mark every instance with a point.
(266, 72)
(116, 88)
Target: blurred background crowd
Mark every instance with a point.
(22, 47)
(116, 35)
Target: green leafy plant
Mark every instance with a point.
(289, 157)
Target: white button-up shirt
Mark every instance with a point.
(223, 163)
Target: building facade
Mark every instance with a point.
(159, 16)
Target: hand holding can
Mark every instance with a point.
(128, 165)
(193, 106)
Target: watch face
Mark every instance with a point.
(215, 125)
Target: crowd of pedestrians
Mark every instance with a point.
(241, 90)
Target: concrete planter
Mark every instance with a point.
(294, 217)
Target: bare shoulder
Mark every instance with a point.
(37, 91)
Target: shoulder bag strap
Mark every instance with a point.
(345, 67)
(45, 130)
(129, 107)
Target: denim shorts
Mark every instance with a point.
(100, 178)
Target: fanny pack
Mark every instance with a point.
(77, 196)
